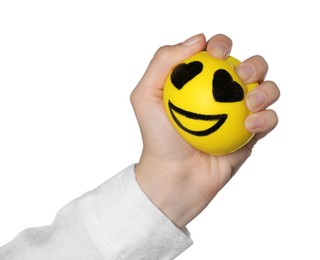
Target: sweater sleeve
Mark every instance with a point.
(114, 221)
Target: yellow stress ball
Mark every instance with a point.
(204, 100)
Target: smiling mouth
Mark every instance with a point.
(217, 120)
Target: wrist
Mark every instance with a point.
(160, 190)
(170, 188)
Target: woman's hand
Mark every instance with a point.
(180, 180)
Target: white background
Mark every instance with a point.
(67, 69)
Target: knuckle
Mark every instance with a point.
(272, 118)
(261, 62)
(272, 88)
(162, 53)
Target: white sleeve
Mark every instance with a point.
(114, 221)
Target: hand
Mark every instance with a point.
(180, 180)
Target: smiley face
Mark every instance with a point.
(204, 100)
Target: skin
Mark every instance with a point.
(180, 180)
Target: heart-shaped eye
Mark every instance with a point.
(225, 89)
(183, 73)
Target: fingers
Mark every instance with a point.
(219, 46)
(262, 96)
(262, 122)
(252, 70)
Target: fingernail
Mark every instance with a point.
(192, 40)
(253, 123)
(220, 50)
(255, 100)
(245, 71)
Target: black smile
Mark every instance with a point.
(220, 118)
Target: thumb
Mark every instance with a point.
(165, 59)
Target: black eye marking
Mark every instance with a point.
(183, 73)
(225, 89)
